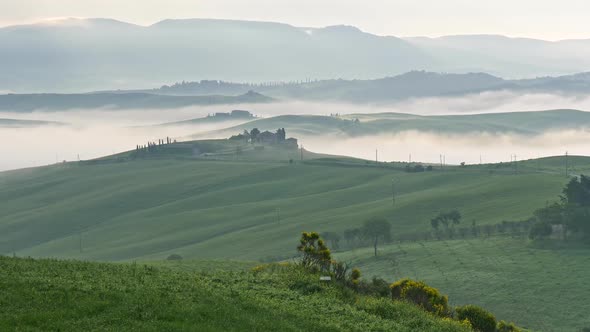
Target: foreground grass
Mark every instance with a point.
(539, 286)
(75, 296)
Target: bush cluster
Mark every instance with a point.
(316, 257)
(420, 293)
(480, 319)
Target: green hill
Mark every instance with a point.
(524, 123)
(204, 200)
(131, 297)
(177, 201)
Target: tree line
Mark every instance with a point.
(151, 145)
(569, 216)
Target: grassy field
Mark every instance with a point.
(134, 297)
(544, 288)
(202, 200)
(245, 209)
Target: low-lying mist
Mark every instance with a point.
(94, 133)
(456, 148)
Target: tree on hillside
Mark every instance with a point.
(451, 218)
(254, 134)
(281, 134)
(540, 230)
(455, 217)
(351, 234)
(576, 205)
(376, 229)
(333, 237)
(577, 191)
(435, 222)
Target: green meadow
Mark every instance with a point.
(52, 295)
(239, 206)
(223, 205)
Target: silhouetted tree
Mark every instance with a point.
(350, 235)
(333, 237)
(254, 134)
(376, 229)
(281, 135)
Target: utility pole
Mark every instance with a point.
(515, 165)
(376, 159)
(392, 192)
(410, 158)
(566, 164)
(441, 164)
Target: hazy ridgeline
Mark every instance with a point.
(91, 133)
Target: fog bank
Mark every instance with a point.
(428, 147)
(95, 133)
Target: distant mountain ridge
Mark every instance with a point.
(416, 84)
(389, 89)
(75, 55)
(64, 102)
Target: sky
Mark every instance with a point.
(542, 19)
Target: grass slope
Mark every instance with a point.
(542, 288)
(251, 208)
(125, 297)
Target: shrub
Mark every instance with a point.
(507, 327)
(420, 293)
(355, 275)
(316, 254)
(339, 270)
(480, 319)
(377, 287)
(306, 287)
(174, 257)
(540, 230)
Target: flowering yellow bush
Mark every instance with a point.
(420, 293)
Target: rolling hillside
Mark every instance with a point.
(175, 202)
(524, 123)
(204, 200)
